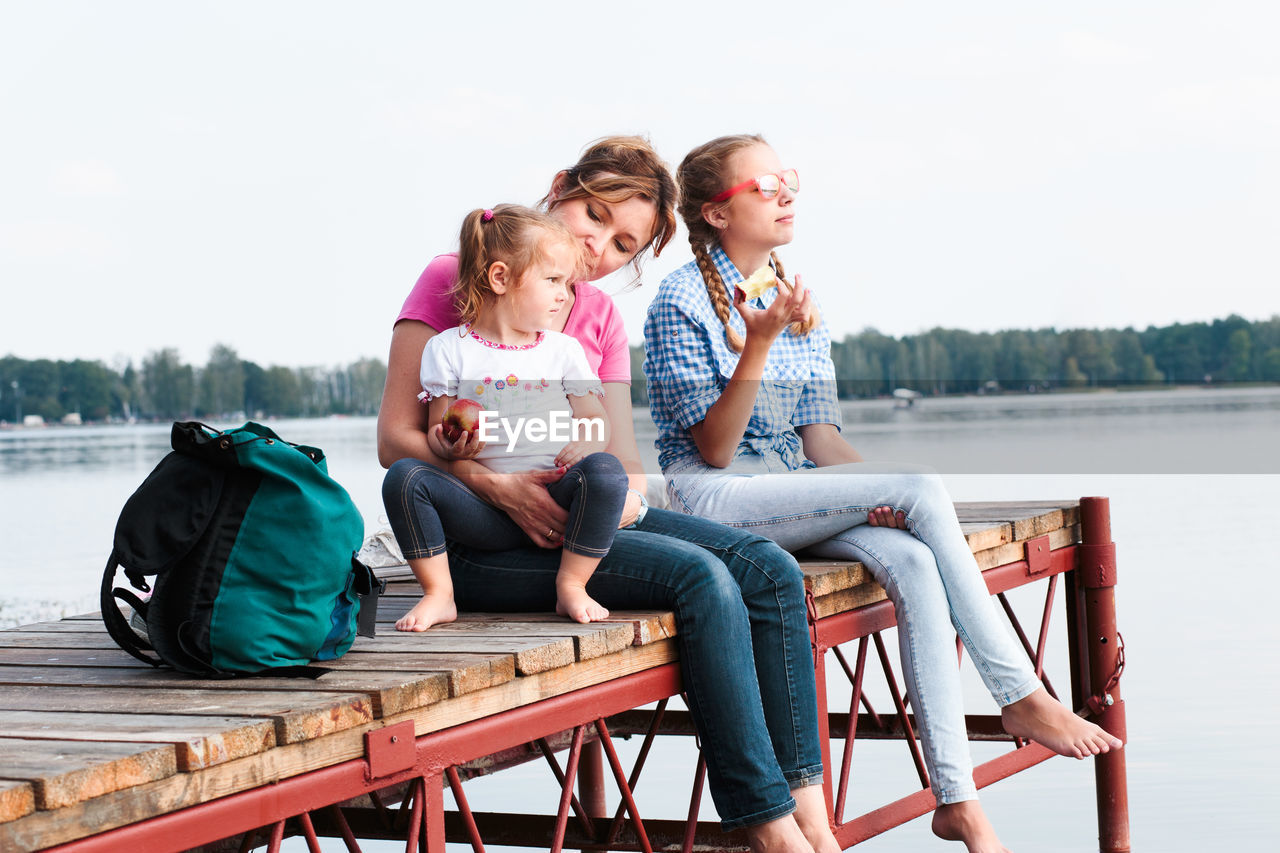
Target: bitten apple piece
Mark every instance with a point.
(757, 283)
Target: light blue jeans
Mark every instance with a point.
(928, 572)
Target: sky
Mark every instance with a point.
(274, 175)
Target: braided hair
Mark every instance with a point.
(702, 175)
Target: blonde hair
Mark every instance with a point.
(615, 169)
(702, 175)
(515, 235)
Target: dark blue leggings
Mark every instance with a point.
(424, 504)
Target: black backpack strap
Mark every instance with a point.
(369, 587)
(117, 627)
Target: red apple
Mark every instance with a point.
(462, 416)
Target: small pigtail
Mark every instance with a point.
(471, 288)
(716, 291)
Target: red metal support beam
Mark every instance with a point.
(591, 780)
(1097, 575)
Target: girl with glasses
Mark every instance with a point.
(743, 393)
(738, 598)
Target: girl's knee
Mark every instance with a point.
(603, 468)
(397, 476)
(927, 491)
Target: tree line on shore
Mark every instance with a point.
(939, 361)
(954, 361)
(163, 387)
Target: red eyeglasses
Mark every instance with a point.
(767, 185)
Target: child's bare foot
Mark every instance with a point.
(1045, 720)
(572, 601)
(430, 610)
(966, 821)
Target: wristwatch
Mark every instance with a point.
(644, 507)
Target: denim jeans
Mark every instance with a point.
(424, 504)
(743, 635)
(928, 572)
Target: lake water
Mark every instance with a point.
(1194, 482)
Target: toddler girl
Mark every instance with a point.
(536, 405)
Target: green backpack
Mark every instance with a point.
(252, 547)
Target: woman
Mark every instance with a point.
(743, 393)
(731, 591)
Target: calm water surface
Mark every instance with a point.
(1194, 482)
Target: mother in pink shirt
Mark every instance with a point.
(738, 598)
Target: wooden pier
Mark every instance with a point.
(99, 752)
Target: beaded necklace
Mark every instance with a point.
(493, 345)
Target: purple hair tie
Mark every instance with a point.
(487, 215)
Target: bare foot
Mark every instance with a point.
(782, 835)
(812, 818)
(572, 601)
(1049, 723)
(966, 821)
(430, 610)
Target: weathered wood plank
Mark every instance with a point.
(387, 692)
(1028, 519)
(590, 640)
(852, 598)
(1000, 510)
(130, 805)
(66, 772)
(647, 626)
(465, 673)
(197, 741)
(296, 715)
(56, 640)
(42, 657)
(981, 535)
(532, 654)
(1016, 551)
(525, 691)
(16, 799)
(823, 577)
(77, 626)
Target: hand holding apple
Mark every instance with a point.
(446, 439)
(462, 416)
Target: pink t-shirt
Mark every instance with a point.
(594, 319)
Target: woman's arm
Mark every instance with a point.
(622, 444)
(403, 424)
(823, 445)
(720, 432)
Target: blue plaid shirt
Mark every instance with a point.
(688, 363)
